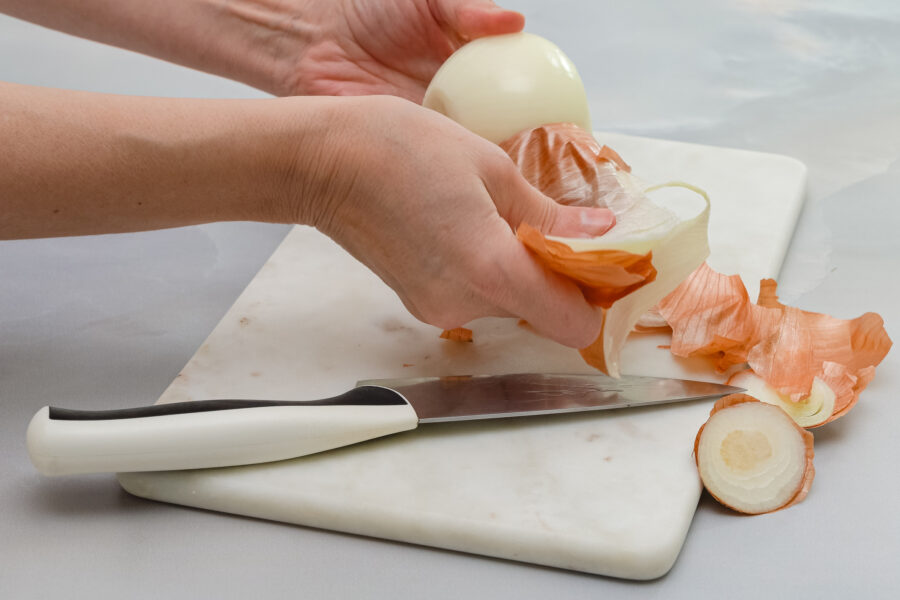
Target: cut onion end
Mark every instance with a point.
(752, 457)
(812, 411)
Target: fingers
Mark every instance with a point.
(471, 19)
(519, 202)
(579, 222)
(553, 305)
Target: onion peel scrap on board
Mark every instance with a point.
(457, 334)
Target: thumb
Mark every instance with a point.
(519, 202)
(554, 305)
(471, 19)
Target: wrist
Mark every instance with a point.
(315, 160)
(337, 155)
(251, 41)
(264, 40)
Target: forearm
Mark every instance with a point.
(252, 41)
(76, 163)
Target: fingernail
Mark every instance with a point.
(597, 220)
(590, 222)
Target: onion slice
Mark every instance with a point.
(752, 457)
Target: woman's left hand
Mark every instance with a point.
(393, 47)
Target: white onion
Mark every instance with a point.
(500, 85)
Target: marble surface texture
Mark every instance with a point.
(605, 493)
(109, 321)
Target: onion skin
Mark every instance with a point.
(566, 163)
(457, 334)
(711, 315)
(809, 473)
(603, 275)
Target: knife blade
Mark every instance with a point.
(460, 398)
(218, 433)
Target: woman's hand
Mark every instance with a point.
(366, 47)
(427, 205)
(431, 208)
(287, 47)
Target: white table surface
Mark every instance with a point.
(108, 321)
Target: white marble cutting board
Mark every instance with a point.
(609, 493)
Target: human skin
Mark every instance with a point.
(434, 221)
(428, 206)
(287, 47)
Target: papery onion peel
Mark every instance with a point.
(457, 334)
(566, 163)
(603, 275)
(711, 315)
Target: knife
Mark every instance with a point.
(218, 433)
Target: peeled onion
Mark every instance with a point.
(497, 86)
(752, 457)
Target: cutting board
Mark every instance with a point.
(611, 493)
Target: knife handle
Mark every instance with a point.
(210, 433)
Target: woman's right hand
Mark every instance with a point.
(431, 208)
(427, 205)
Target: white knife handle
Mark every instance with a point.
(210, 433)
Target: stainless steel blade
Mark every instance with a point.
(457, 398)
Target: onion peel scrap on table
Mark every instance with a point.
(711, 315)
